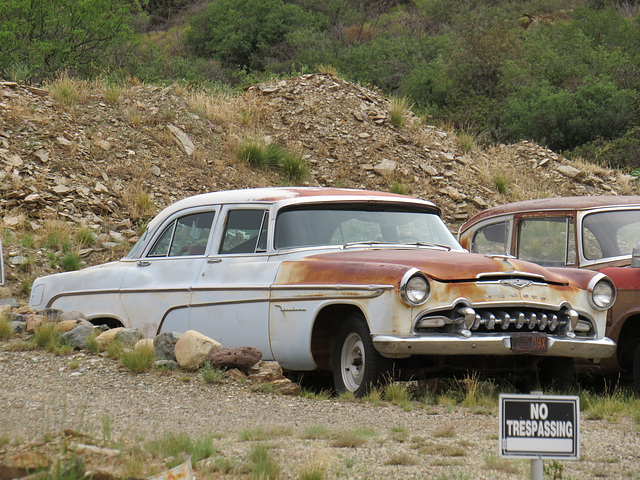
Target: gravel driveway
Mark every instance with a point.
(43, 395)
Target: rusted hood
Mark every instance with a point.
(385, 265)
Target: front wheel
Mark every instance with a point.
(356, 363)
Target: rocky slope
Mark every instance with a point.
(103, 158)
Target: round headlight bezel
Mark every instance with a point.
(415, 288)
(602, 292)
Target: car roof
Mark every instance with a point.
(285, 195)
(555, 203)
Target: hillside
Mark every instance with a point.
(88, 157)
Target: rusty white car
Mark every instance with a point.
(359, 284)
(598, 233)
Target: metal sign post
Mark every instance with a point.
(538, 427)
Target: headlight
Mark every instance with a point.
(414, 288)
(602, 293)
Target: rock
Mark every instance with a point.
(77, 337)
(286, 387)
(182, 140)
(165, 344)
(52, 314)
(569, 171)
(167, 364)
(145, 343)
(235, 375)
(129, 336)
(106, 337)
(71, 315)
(18, 326)
(66, 325)
(193, 348)
(4, 309)
(236, 357)
(34, 321)
(386, 167)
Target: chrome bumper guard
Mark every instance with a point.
(392, 346)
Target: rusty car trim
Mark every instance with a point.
(444, 344)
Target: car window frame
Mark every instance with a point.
(222, 223)
(566, 215)
(167, 222)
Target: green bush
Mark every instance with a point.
(242, 33)
(622, 153)
(48, 37)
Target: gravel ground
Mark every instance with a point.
(43, 395)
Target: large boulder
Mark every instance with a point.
(77, 337)
(71, 315)
(236, 357)
(165, 345)
(128, 337)
(193, 349)
(106, 337)
(34, 321)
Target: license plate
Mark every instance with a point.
(529, 342)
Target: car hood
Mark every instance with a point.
(381, 263)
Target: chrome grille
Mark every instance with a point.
(467, 320)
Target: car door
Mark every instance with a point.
(230, 299)
(156, 293)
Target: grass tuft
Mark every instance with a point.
(210, 374)
(139, 360)
(398, 108)
(264, 466)
(6, 330)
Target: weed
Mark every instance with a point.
(91, 343)
(174, 445)
(70, 262)
(467, 141)
(397, 394)
(111, 93)
(210, 374)
(398, 187)
(114, 349)
(74, 364)
(445, 432)
(260, 433)
(327, 69)
(402, 458)
(264, 466)
(257, 153)
(184, 378)
(501, 464)
(107, 426)
(610, 404)
(71, 469)
(293, 166)
(85, 237)
(501, 182)
(398, 108)
(554, 470)
(6, 330)
(315, 432)
(139, 360)
(25, 286)
(316, 395)
(66, 246)
(314, 469)
(47, 336)
(68, 91)
(351, 438)
(27, 241)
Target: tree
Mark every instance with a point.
(243, 33)
(41, 37)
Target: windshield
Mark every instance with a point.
(320, 225)
(610, 234)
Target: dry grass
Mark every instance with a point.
(139, 203)
(69, 91)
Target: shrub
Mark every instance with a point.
(71, 262)
(138, 360)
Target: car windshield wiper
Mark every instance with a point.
(368, 242)
(417, 244)
(431, 245)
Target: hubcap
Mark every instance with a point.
(352, 362)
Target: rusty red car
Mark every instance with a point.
(360, 285)
(598, 233)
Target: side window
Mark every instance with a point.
(245, 232)
(547, 241)
(187, 235)
(491, 239)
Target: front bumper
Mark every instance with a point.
(393, 346)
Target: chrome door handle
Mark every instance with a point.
(143, 263)
(214, 260)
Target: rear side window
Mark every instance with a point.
(185, 236)
(492, 239)
(245, 232)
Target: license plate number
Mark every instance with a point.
(529, 342)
